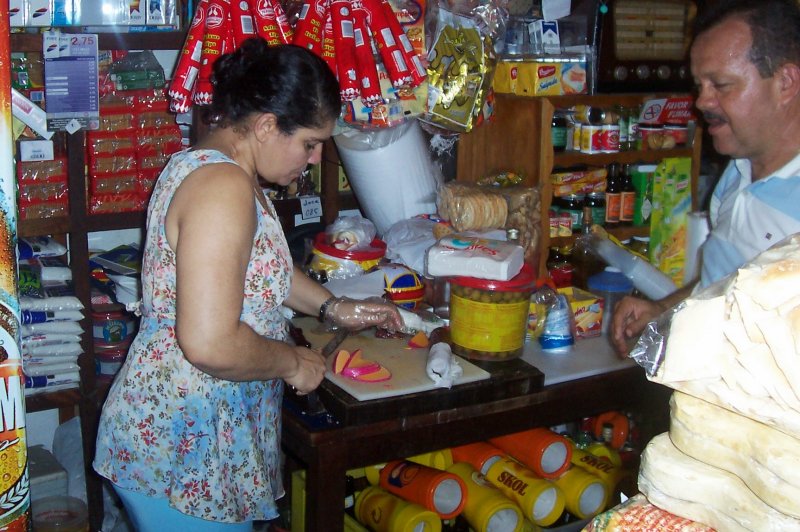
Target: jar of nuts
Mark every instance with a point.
(488, 318)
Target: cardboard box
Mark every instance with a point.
(540, 78)
(47, 477)
(672, 202)
(587, 309)
(18, 13)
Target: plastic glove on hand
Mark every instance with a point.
(355, 314)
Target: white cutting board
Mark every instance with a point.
(407, 365)
(588, 357)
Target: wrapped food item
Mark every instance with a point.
(461, 65)
(469, 256)
(469, 207)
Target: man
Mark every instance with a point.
(745, 60)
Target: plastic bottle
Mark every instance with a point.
(622, 120)
(613, 195)
(633, 127)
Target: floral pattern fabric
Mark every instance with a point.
(167, 429)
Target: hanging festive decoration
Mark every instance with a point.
(350, 35)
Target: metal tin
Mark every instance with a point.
(609, 138)
(592, 139)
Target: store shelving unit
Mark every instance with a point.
(75, 229)
(518, 139)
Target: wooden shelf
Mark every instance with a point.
(620, 233)
(572, 158)
(518, 139)
(50, 400)
(48, 226)
(115, 221)
(146, 40)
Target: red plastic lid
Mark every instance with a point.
(107, 347)
(524, 280)
(111, 355)
(376, 249)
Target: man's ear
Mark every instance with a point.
(266, 124)
(788, 76)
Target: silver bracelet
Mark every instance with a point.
(323, 309)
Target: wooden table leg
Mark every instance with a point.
(325, 488)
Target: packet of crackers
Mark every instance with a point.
(477, 207)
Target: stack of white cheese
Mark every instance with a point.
(731, 459)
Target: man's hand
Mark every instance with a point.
(630, 316)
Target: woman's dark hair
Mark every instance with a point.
(774, 27)
(288, 81)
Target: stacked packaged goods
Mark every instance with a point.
(50, 312)
(137, 135)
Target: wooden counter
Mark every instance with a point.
(327, 453)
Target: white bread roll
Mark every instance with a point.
(681, 485)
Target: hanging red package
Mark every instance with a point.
(217, 39)
(344, 41)
(242, 22)
(328, 47)
(418, 71)
(309, 27)
(394, 61)
(188, 65)
(284, 27)
(266, 22)
(367, 70)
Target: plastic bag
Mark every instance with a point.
(408, 240)
(350, 233)
(462, 61)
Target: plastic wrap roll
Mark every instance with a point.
(697, 230)
(480, 455)
(384, 512)
(391, 172)
(440, 491)
(585, 495)
(541, 501)
(487, 509)
(546, 453)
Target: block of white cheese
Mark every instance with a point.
(471, 256)
(681, 485)
(765, 459)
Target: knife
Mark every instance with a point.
(315, 406)
(311, 402)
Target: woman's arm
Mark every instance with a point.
(211, 224)
(306, 295)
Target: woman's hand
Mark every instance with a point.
(360, 314)
(310, 370)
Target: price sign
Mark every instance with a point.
(667, 111)
(310, 208)
(71, 85)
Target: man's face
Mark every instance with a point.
(739, 106)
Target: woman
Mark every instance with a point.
(190, 433)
